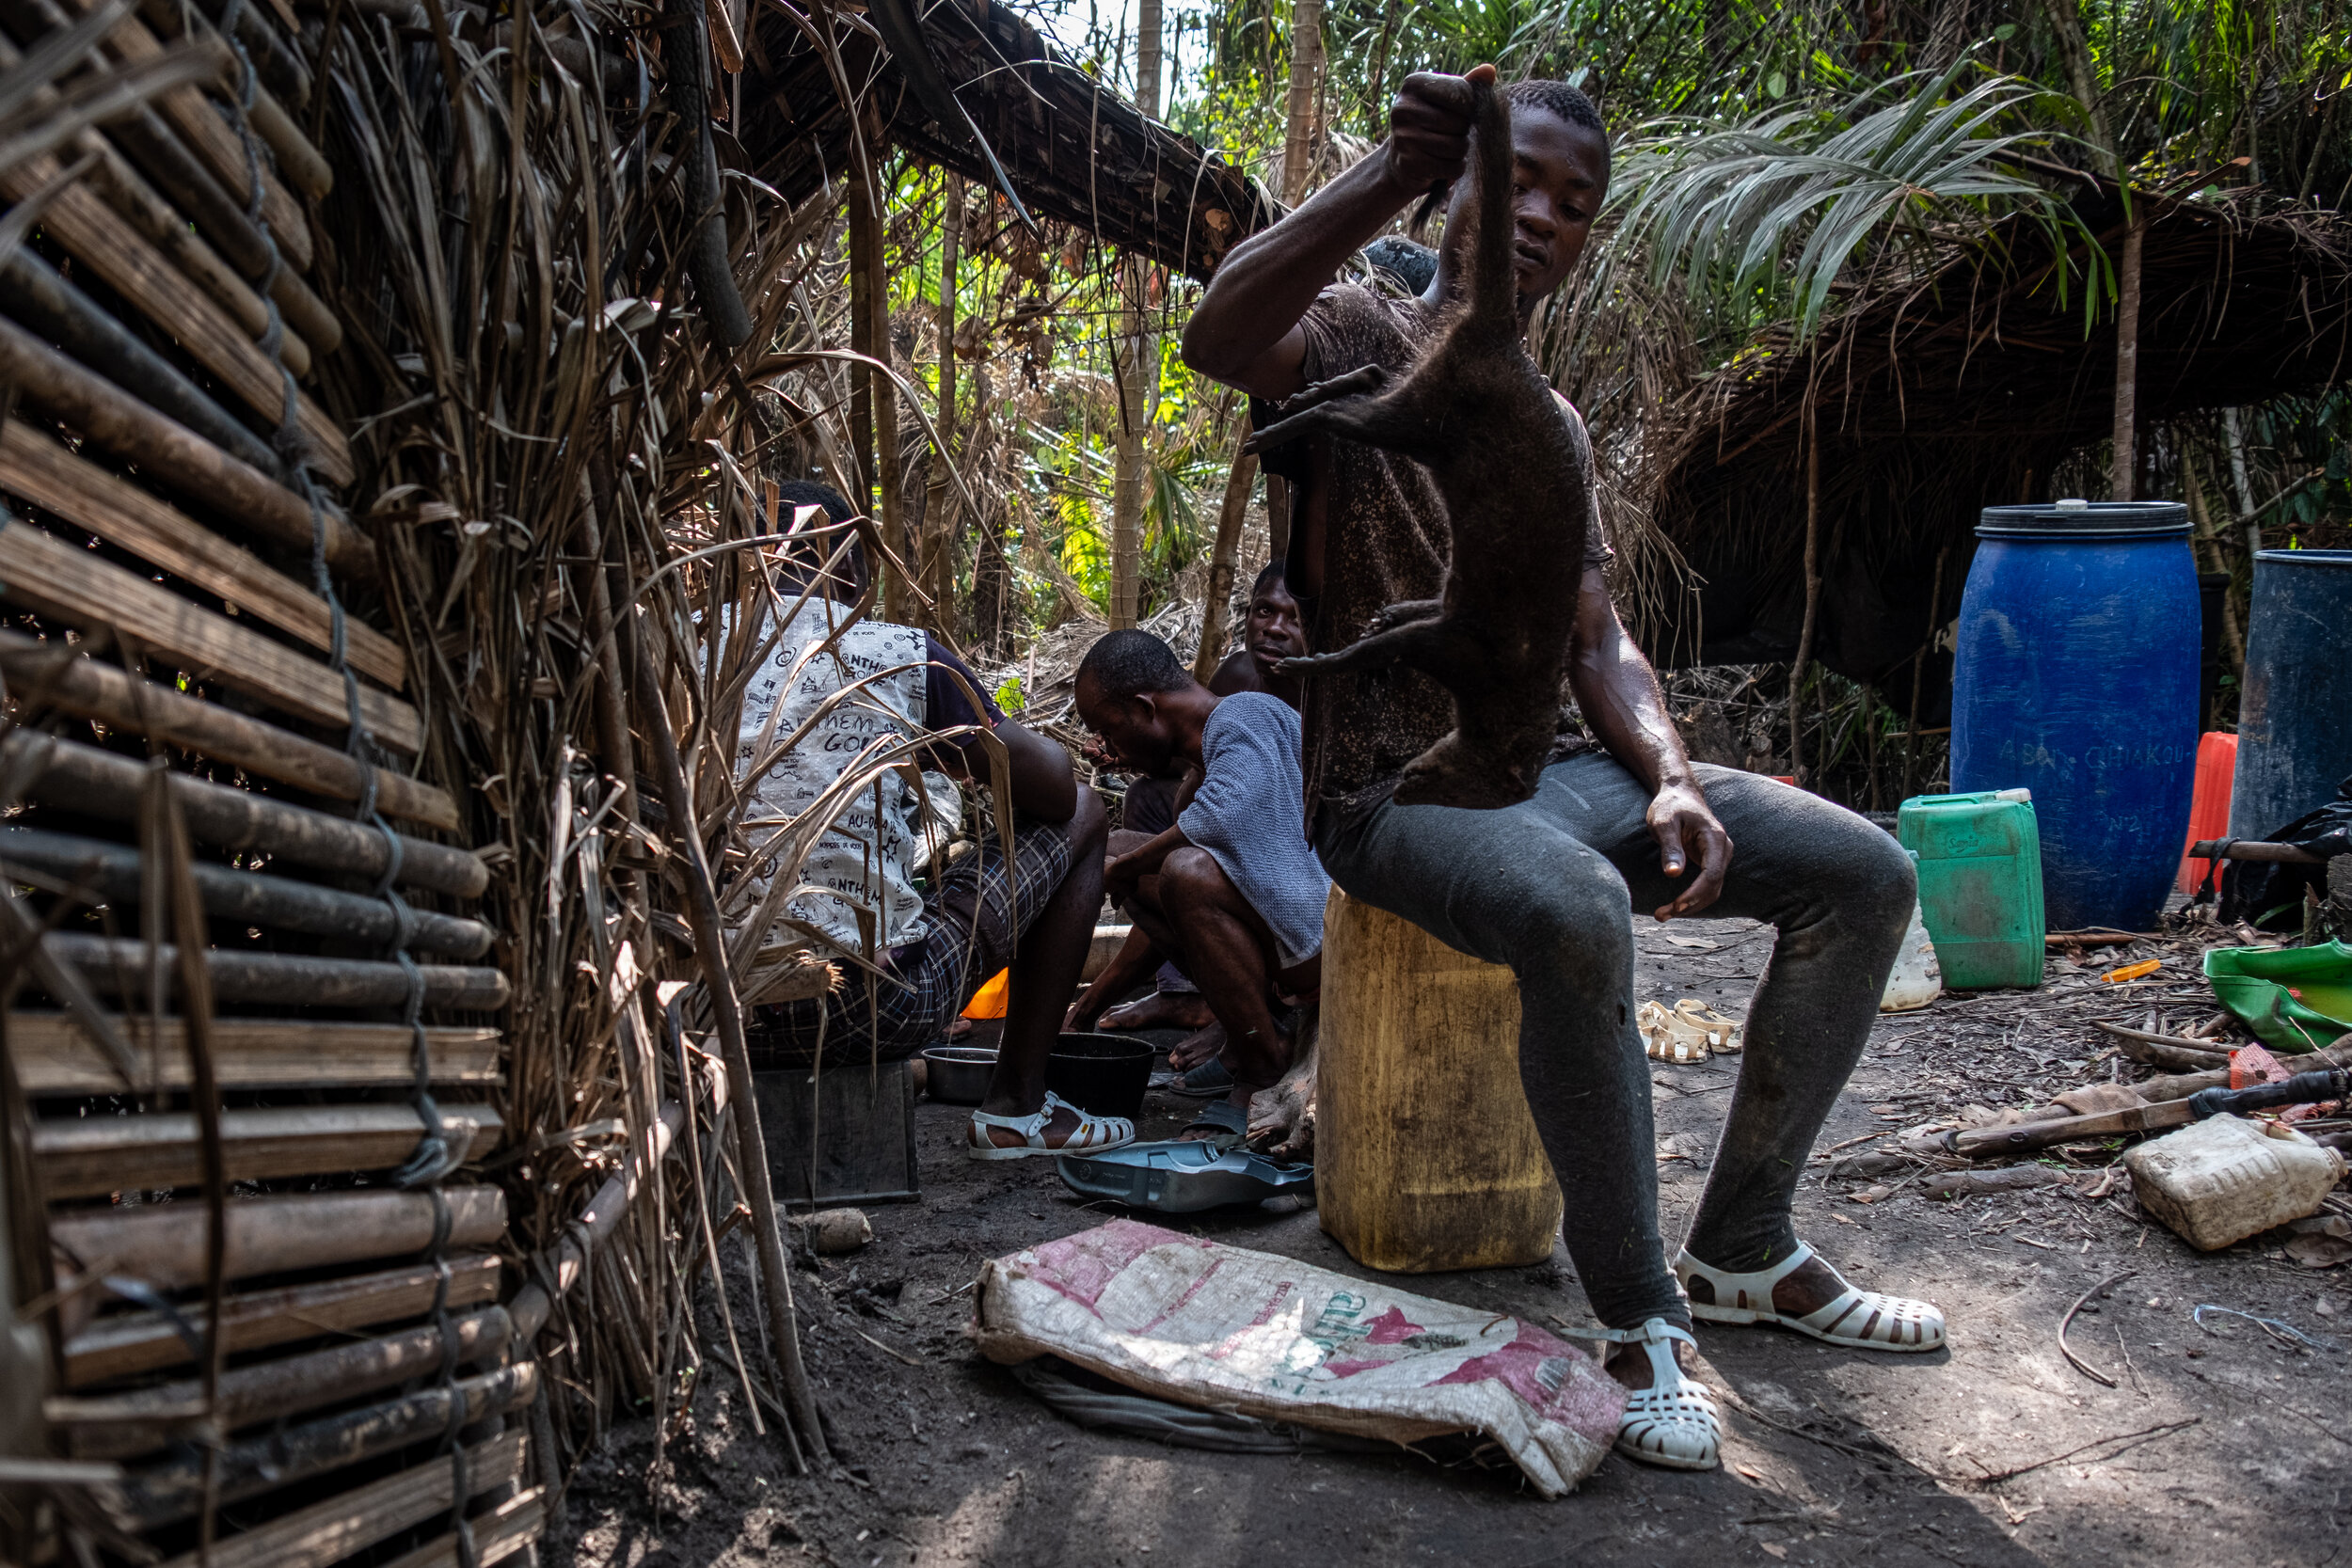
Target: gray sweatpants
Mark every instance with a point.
(1550, 887)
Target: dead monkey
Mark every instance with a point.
(1516, 476)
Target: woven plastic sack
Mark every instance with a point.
(1224, 1328)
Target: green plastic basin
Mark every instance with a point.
(2297, 999)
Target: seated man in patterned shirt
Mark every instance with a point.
(911, 959)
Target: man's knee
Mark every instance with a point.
(1582, 909)
(1885, 876)
(1190, 879)
(1567, 912)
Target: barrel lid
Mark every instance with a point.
(2306, 558)
(2080, 519)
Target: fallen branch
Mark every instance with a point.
(2130, 1439)
(2068, 1351)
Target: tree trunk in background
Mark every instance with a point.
(939, 510)
(2210, 559)
(1138, 370)
(2066, 24)
(1147, 57)
(2123, 483)
(889, 449)
(1127, 449)
(868, 303)
(991, 569)
(1224, 561)
(1305, 66)
(1812, 595)
(2246, 513)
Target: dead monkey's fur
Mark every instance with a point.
(1515, 475)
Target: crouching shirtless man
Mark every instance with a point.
(1620, 821)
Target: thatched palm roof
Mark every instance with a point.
(1964, 390)
(1073, 150)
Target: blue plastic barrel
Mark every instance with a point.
(2075, 677)
(2294, 712)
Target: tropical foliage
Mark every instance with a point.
(1777, 164)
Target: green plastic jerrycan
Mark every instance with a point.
(1980, 884)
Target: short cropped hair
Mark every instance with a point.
(1271, 575)
(805, 559)
(1557, 99)
(1131, 663)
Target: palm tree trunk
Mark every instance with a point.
(1223, 562)
(2123, 480)
(2066, 24)
(1306, 65)
(938, 512)
(1138, 370)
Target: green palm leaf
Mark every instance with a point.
(1761, 219)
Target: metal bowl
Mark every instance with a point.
(959, 1074)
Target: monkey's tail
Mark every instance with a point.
(1494, 275)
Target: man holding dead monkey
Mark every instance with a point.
(1618, 822)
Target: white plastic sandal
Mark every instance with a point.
(1092, 1135)
(1666, 1038)
(1672, 1424)
(1720, 1034)
(1859, 1320)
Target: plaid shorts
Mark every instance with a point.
(976, 918)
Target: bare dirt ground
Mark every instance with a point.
(2221, 1444)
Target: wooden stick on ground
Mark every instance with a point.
(2068, 1351)
(2164, 1051)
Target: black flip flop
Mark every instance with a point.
(1211, 1080)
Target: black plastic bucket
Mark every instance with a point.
(1102, 1074)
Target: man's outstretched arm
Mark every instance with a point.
(1244, 332)
(1617, 691)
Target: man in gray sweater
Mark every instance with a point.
(1232, 890)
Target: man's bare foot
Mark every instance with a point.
(1197, 1050)
(1162, 1010)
